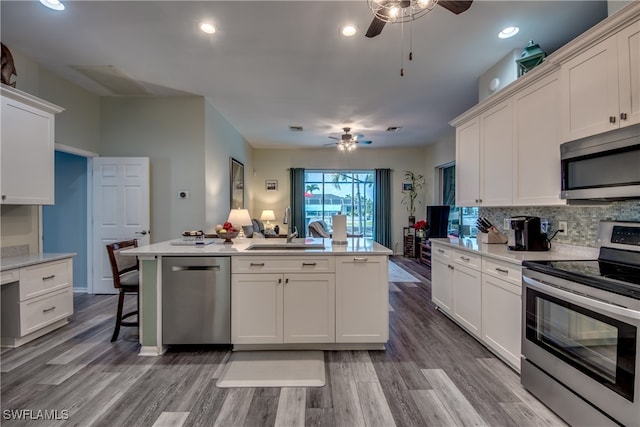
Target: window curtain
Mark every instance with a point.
(297, 201)
(382, 207)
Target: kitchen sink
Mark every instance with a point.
(285, 246)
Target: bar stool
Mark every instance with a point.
(125, 279)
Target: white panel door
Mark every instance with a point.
(120, 211)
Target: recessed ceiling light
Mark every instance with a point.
(53, 4)
(508, 32)
(207, 27)
(348, 30)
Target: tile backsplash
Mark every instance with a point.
(582, 221)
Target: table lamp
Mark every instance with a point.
(239, 217)
(268, 215)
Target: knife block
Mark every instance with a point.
(493, 236)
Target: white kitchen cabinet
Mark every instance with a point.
(287, 307)
(441, 283)
(601, 86)
(36, 299)
(27, 149)
(467, 301)
(537, 114)
(484, 158)
(502, 309)
(362, 299)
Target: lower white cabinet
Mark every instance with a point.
(35, 300)
(362, 299)
(295, 305)
(467, 301)
(442, 284)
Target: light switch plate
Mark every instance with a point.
(506, 225)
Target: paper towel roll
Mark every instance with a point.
(339, 229)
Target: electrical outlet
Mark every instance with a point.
(562, 225)
(506, 224)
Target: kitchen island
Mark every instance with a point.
(306, 294)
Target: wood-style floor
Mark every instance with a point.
(431, 374)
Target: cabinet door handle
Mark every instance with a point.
(257, 264)
(623, 116)
(465, 259)
(308, 264)
(360, 258)
(502, 270)
(450, 266)
(49, 277)
(279, 281)
(4, 197)
(286, 280)
(46, 310)
(612, 119)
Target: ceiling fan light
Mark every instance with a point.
(53, 4)
(207, 27)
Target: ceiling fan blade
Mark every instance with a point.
(375, 28)
(364, 142)
(331, 143)
(336, 138)
(456, 7)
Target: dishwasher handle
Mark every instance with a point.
(195, 268)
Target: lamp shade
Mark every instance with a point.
(267, 215)
(239, 217)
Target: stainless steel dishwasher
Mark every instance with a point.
(196, 300)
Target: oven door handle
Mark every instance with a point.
(585, 301)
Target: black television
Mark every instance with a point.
(438, 220)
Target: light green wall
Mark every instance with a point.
(222, 141)
(275, 164)
(170, 131)
(438, 154)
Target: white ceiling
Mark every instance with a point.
(275, 64)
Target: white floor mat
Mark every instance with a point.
(398, 274)
(273, 369)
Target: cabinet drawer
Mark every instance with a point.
(441, 252)
(503, 270)
(282, 264)
(42, 278)
(44, 310)
(469, 259)
(10, 276)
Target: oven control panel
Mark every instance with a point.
(624, 235)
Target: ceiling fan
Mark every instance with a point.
(347, 141)
(404, 10)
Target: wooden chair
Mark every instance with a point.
(125, 279)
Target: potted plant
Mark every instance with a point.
(412, 183)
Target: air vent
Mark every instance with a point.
(394, 128)
(295, 128)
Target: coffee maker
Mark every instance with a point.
(527, 234)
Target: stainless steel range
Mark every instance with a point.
(580, 342)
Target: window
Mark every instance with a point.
(349, 193)
(462, 221)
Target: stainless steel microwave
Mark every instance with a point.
(602, 167)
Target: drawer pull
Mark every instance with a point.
(360, 258)
(49, 277)
(308, 264)
(286, 280)
(450, 266)
(465, 259)
(46, 310)
(257, 264)
(502, 270)
(441, 251)
(279, 281)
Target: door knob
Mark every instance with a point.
(143, 232)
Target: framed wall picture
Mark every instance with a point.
(406, 187)
(271, 185)
(237, 184)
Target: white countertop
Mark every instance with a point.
(19, 261)
(500, 251)
(354, 246)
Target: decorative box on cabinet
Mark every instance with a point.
(35, 300)
(27, 148)
(601, 86)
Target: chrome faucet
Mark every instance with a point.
(291, 236)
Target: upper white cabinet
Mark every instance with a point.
(484, 158)
(536, 145)
(27, 149)
(601, 86)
